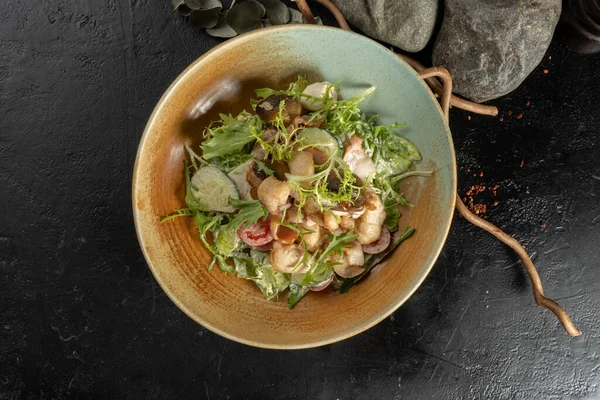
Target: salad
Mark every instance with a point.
(302, 192)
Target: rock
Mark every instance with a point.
(491, 46)
(407, 24)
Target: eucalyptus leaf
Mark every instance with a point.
(222, 29)
(277, 12)
(295, 16)
(205, 18)
(181, 7)
(203, 4)
(246, 16)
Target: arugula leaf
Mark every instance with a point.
(320, 268)
(232, 135)
(376, 259)
(296, 293)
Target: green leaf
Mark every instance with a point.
(246, 16)
(181, 212)
(205, 18)
(277, 12)
(232, 135)
(226, 240)
(320, 269)
(250, 211)
(256, 267)
(376, 259)
(181, 7)
(203, 4)
(222, 29)
(296, 293)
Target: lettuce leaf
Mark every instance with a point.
(256, 267)
(231, 137)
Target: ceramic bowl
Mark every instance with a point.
(223, 80)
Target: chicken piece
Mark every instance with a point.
(313, 240)
(351, 261)
(359, 162)
(274, 194)
(368, 226)
(347, 223)
(294, 215)
(311, 207)
(287, 258)
(302, 164)
(331, 221)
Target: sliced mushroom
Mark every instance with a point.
(320, 286)
(254, 175)
(350, 264)
(268, 109)
(314, 240)
(287, 258)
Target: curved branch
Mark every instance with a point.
(536, 283)
(336, 13)
(306, 12)
(447, 97)
(454, 100)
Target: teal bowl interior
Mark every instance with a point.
(222, 81)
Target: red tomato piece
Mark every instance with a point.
(258, 234)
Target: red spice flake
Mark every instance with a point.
(495, 204)
(493, 189)
(475, 190)
(543, 225)
(468, 169)
(519, 116)
(474, 175)
(478, 209)
(522, 163)
(481, 174)
(501, 119)
(469, 117)
(546, 71)
(509, 113)
(528, 103)
(527, 191)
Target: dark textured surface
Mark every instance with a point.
(81, 315)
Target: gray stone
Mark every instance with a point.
(491, 46)
(407, 24)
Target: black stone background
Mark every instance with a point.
(82, 317)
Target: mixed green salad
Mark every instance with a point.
(301, 193)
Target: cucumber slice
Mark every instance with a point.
(322, 140)
(213, 188)
(238, 176)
